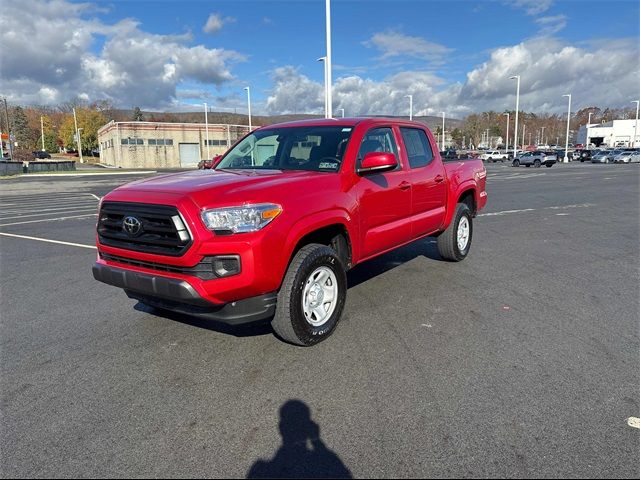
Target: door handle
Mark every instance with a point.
(404, 186)
(439, 179)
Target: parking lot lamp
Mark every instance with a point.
(566, 143)
(635, 129)
(524, 129)
(342, 111)
(79, 142)
(506, 145)
(442, 149)
(326, 92)
(248, 89)
(542, 139)
(410, 97)
(206, 129)
(515, 134)
(328, 60)
(42, 130)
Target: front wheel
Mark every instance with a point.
(312, 296)
(454, 243)
(516, 163)
(537, 163)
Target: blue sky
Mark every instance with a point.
(446, 51)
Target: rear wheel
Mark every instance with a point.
(536, 163)
(454, 243)
(516, 163)
(312, 296)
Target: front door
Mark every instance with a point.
(385, 198)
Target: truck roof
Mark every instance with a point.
(344, 122)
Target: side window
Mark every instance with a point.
(377, 140)
(418, 149)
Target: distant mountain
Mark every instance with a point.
(256, 120)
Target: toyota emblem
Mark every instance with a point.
(132, 226)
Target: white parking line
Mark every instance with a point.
(555, 207)
(633, 422)
(49, 219)
(76, 210)
(47, 240)
(31, 209)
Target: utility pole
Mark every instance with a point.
(542, 141)
(206, 129)
(78, 143)
(506, 146)
(42, 130)
(328, 61)
(524, 128)
(249, 104)
(326, 96)
(9, 140)
(566, 144)
(515, 133)
(410, 97)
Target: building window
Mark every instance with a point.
(216, 143)
(132, 141)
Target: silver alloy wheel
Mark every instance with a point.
(463, 233)
(320, 296)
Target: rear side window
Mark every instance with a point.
(418, 149)
(377, 140)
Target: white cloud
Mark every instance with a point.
(532, 7)
(215, 22)
(395, 44)
(604, 73)
(133, 67)
(551, 24)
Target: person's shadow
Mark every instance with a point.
(302, 454)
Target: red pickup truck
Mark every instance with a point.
(271, 231)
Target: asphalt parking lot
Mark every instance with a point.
(521, 361)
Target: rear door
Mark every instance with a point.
(428, 181)
(385, 198)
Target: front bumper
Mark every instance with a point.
(179, 296)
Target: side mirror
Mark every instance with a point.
(378, 162)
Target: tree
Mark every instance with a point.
(90, 121)
(137, 115)
(21, 128)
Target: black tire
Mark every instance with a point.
(516, 163)
(289, 321)
(448, 240)
(549, 165)
(489, 159)
(537, 163)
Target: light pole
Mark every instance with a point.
(326, 96)
(79, 141)
(542, 140)
(524, 128)
(410, 97)
(515, 134)
(487, 137)
(206, 128)
(328, 60)
(442, 149)
(635, 129)
(42, 130)
(75, 122)
(342, 111)
(566, 143)
(249, 104)
(506, 147)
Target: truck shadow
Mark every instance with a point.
(302, 454)
(364, 272)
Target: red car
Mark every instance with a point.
(272, 230)
(209, 164)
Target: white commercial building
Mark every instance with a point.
(617, 133)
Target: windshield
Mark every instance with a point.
(318, 149)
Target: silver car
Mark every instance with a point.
(605, 156)
(536, 159)
(629, 156)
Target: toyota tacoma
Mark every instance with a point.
(272, 229)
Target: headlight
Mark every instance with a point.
(241, 219)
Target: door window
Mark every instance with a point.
(418, 148)
(377, 140)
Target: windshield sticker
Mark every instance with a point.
(348, 129)
(329, 165)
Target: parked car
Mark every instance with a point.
(536, 158)
(605, 156)
(628, 156)
(493, 156)
(271, 231)
(582, 155)
(41, 154)
(207, 164)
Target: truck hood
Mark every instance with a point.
(207, 187)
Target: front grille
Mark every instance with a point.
(162, 230)
(203, 270)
